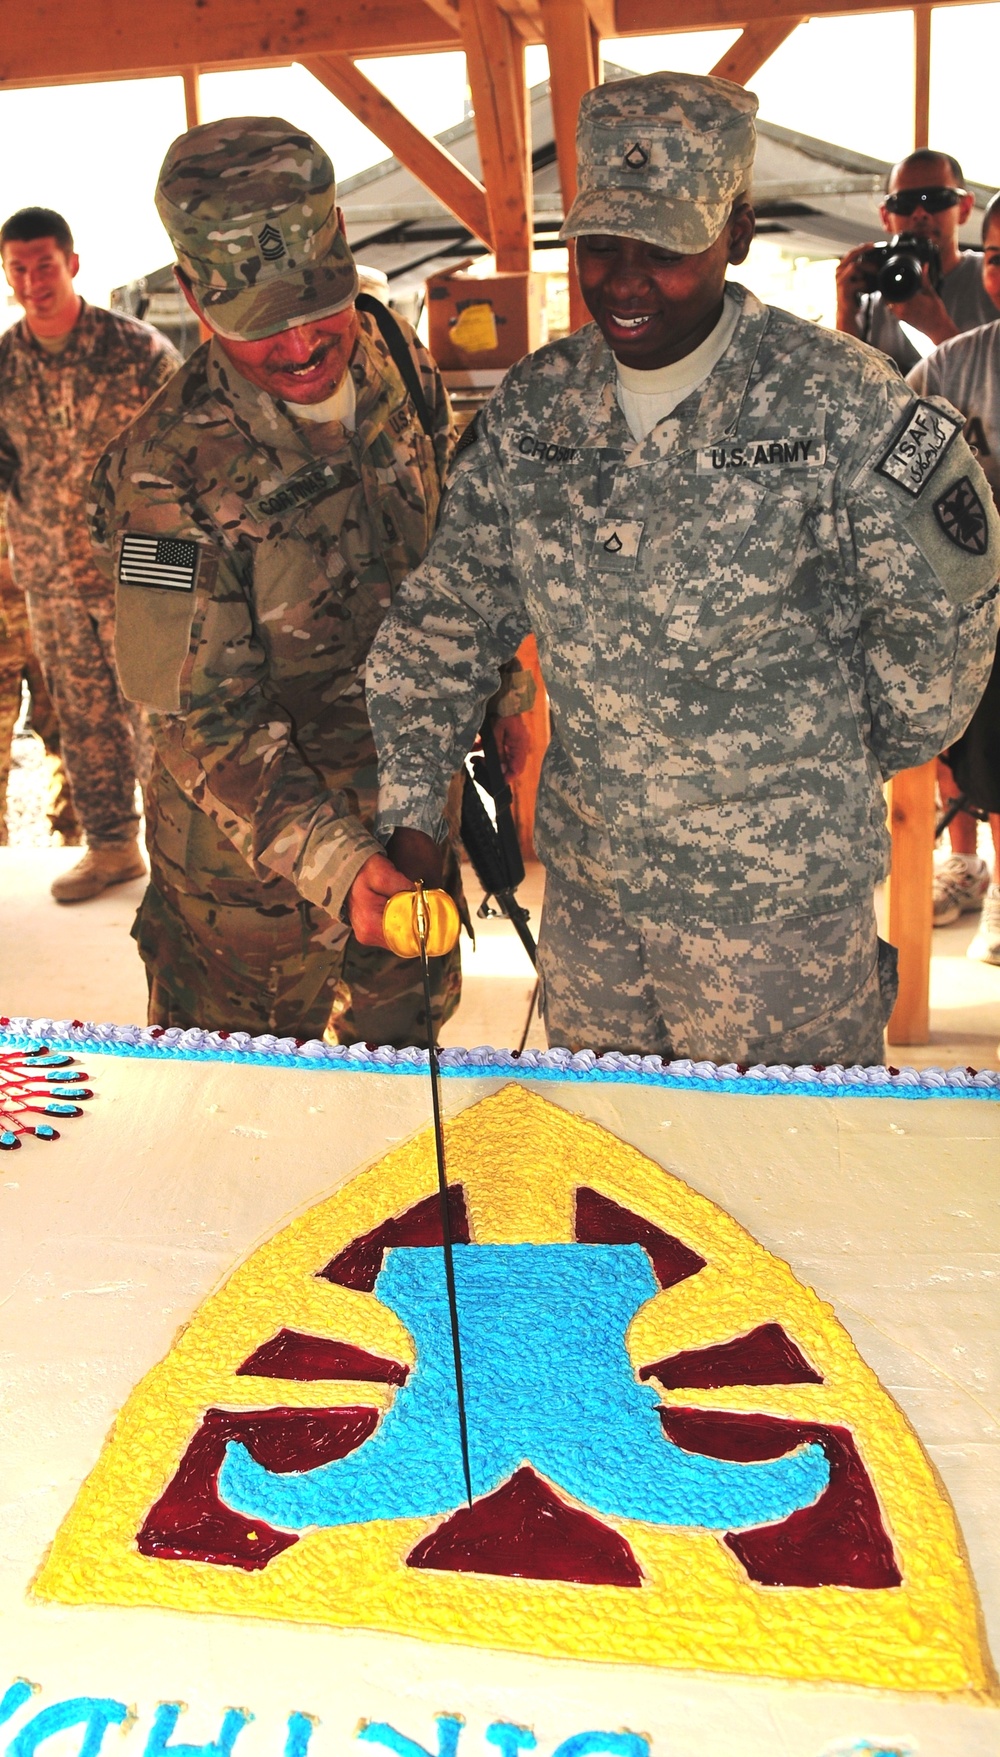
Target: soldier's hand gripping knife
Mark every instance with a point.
(751, 609)
(257, 519)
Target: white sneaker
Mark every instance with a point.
(986, 945)
(960, 884)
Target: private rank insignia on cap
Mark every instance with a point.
(166, 564)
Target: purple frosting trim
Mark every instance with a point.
(534, 1064)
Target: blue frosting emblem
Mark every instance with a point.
(548, 1383)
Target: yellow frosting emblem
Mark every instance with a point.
(525, 1172)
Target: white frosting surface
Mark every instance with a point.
(111, 1239)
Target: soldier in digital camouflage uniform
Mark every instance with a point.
(72, 376)
(257, 536)
(19, 665)
(753, 603)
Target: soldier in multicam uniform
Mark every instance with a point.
(258, 518)
(71, 377)
(762, 575)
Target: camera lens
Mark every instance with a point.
(901, 276)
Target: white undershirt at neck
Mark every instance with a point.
(646, 398)
(340, 407)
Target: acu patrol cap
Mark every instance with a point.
(661, 157)
(250, 205)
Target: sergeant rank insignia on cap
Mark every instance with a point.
(165, 564)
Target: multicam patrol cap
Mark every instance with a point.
(661, 158)
(251, 208)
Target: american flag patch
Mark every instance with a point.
(167, 564)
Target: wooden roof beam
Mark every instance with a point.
(641, 18)
(435, 168)
(494, 54)
(61, 42)
(574, 54)
(755, 45)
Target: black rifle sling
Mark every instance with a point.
(402, 358)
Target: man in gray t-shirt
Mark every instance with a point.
(925, 195)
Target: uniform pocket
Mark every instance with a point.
(154, 622)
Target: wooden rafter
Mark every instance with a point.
(65, 41)
(494, 54)
(640, 18)
(921, 75)
(573, 70)
(192, 97)
(755, 45)
(435, 168)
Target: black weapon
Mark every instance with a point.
(493, 848)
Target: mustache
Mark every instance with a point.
(319, 353)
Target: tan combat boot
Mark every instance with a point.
(97, 871)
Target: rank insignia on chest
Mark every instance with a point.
(163, 564)
(798, 453)
(617, 542)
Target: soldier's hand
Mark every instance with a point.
(852, 282)
(377, 881)
(513, 741)
(926, 312)
(419, 856)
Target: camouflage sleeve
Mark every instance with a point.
(920, 544)
(195, 659)
(437, 658)
(10, 462)
(163, 363)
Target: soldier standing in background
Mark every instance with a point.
(258, 518)
(762, 575)
(71, 377)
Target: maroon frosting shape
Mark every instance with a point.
(839, 1541)
(190, 1523)
(599, 1221)
(292, 1355)
(358, 1264)
(765, 1356)
(525, 1530)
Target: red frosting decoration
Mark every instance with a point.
(190, 1523)
(765, 1356)
(525, 1530)
(292, 1355)
(358, 1264)
(839, 1541)
(602, 1222)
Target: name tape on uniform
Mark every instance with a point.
(762, 454)
(308, 484)
(164, 564)
(918, 447)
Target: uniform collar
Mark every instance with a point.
(709, 413)
(265, 420)
(86, 337)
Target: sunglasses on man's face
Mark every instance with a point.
(933, 201)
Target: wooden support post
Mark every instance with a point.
(911, 820)
(192, 97)
(755, 45)
(573, 69)
(921, 75)
(494, 54)
(435, 168)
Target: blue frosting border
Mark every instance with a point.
(151, 1043)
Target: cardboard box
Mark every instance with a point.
(484, 321)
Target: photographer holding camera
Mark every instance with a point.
(920, 276)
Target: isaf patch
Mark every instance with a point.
(918, 447)
(162, 564)
(962, 517)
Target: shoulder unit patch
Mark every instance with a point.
(962, 517)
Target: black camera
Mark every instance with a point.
(896, 269)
